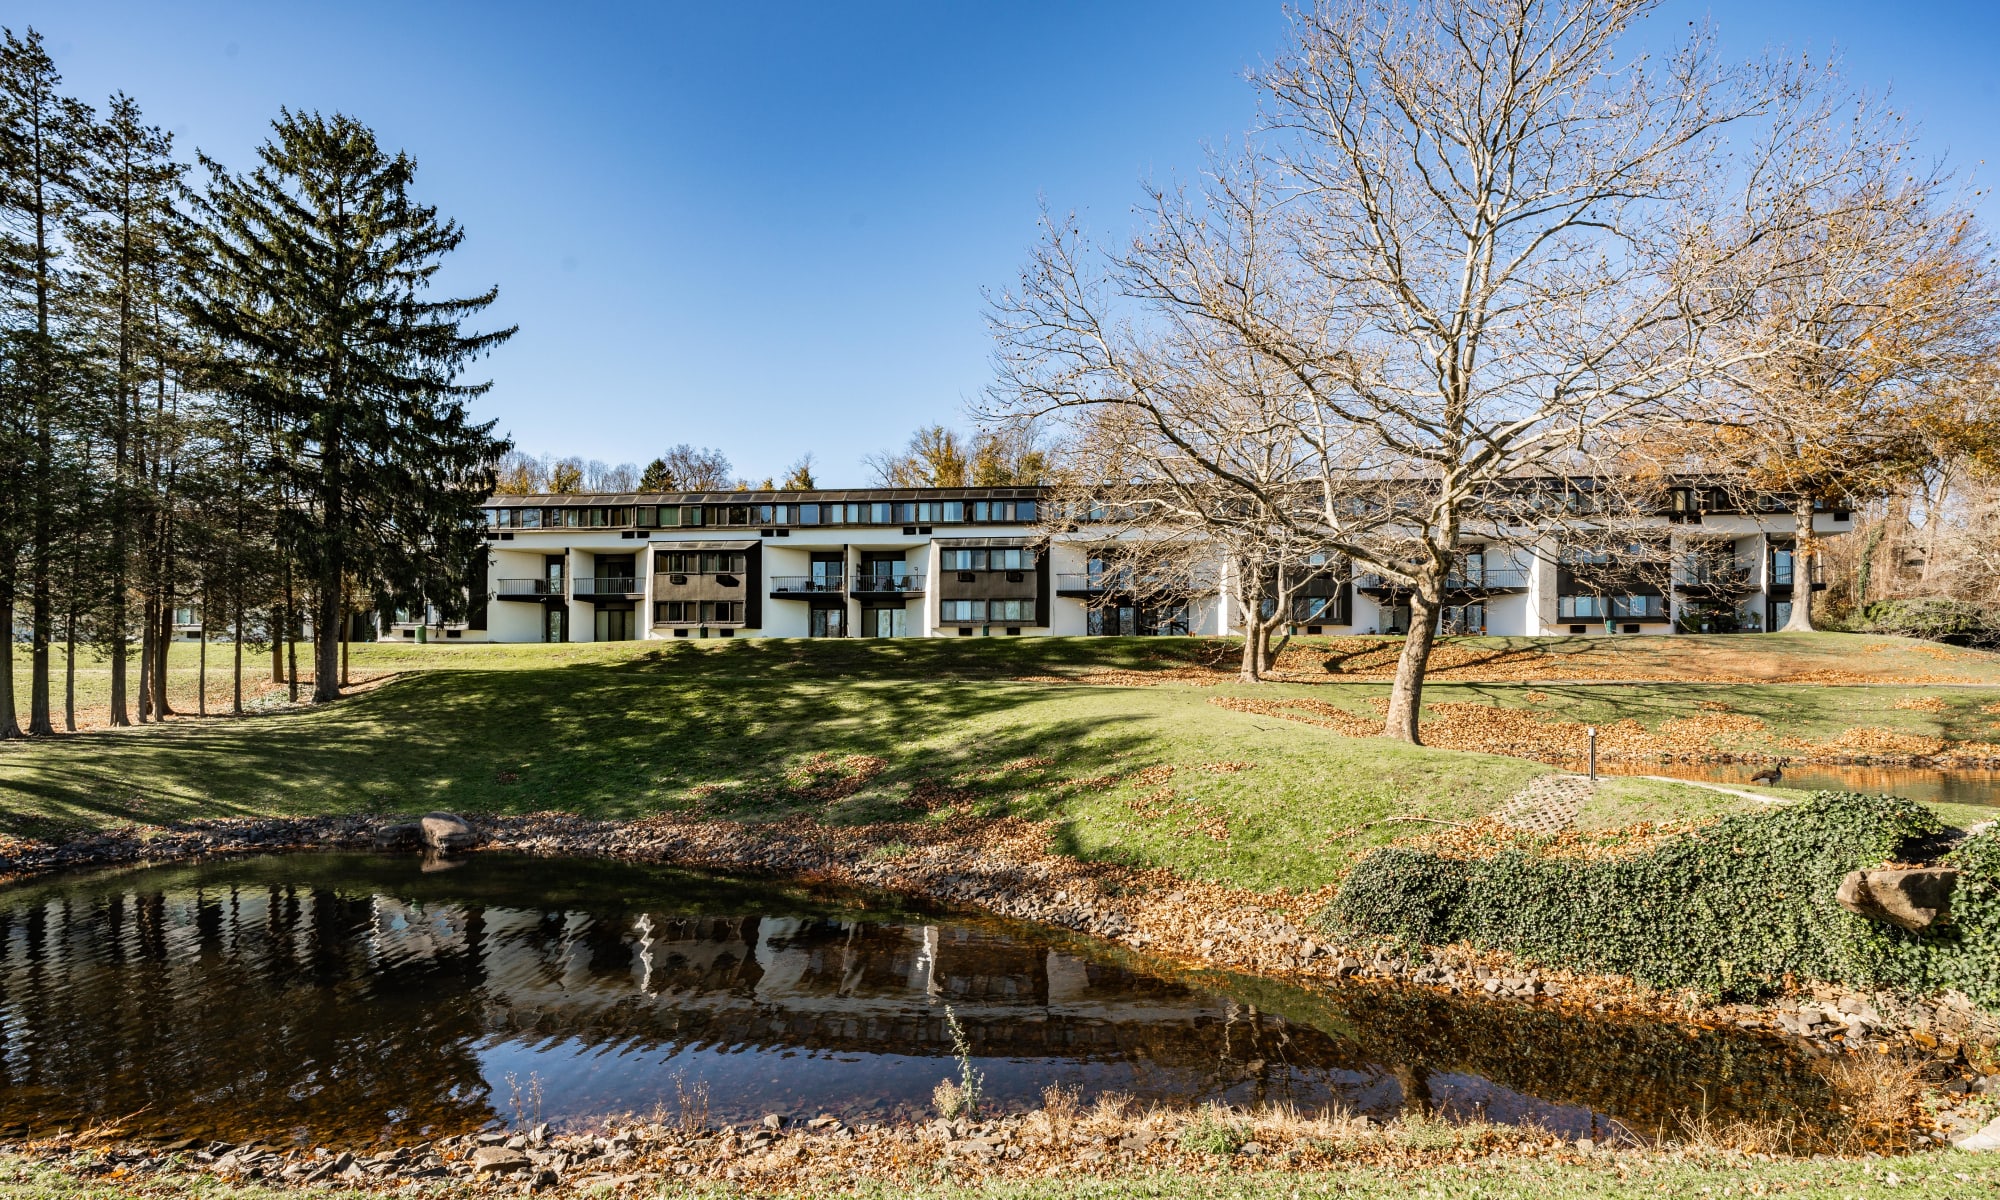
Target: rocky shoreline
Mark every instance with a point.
(1060, 1140)
(1005, 867)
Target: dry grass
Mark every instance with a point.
(1878, 1091)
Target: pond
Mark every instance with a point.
(348, 998)
(1927, 784)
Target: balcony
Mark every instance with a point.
(805, 587)
(871, 584)
(1709, 578)
(529, 589)
(1083, 586)
(1484, 580)
(602, 587)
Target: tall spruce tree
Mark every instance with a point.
(130, 249)
(42, 134)
(323, 263)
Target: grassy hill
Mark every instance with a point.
(864, 730)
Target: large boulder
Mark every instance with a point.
(448, 833)
(1986, 1139)
(1912, 898)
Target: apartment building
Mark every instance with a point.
(977, 562)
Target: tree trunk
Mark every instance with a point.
(146, 661)
(41, 602)
(1406, 696)
(236, 673)
(277, 646)
(327, 637)
(201, 663)
(69, 670)
(1252, 669)
(163, 644)
(1803, 549)
(10, 725)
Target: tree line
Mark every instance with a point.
(935, 456)
(1477, 253)
(232, 391)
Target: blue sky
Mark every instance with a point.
(767, 227)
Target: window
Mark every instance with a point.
(980, 510)
(705, 612)
(809, 514)
(1011, 610)
(1579, 608)
(878, 514)
(707, 562)
(1009, 559)
(649, 516)
(1628, 608)
(906, 514)
(691, 514)
(954, 512)
(962, 610)
(531, 518)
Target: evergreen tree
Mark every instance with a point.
(41, 137)
(130, 250)
(321, 264)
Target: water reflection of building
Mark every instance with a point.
(818, 983)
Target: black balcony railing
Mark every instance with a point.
(1477, 579)
(1093, 584)
(605, 585)
(887, 583)
(807, 585)
(529, 587)
(1701, 574)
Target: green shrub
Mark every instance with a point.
(1955, 621)
(1730, 909)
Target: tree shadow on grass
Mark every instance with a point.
(604, 739)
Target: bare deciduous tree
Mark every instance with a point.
(1480, 248)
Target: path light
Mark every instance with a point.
(1591, 733)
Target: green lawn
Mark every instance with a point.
(755, 729)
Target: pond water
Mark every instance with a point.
(1915, 783)
(356, 997)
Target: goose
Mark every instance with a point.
(1770, 774)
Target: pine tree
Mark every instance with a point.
(41, 138)
(321, 262)
(130, 250)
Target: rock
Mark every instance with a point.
(1586, 1145)
(1986, 1139)
(1910, 898)
(498, 1160)
(773, 1121)
(447, 833)
(406, 834)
